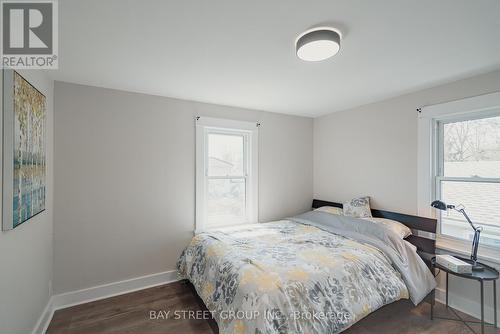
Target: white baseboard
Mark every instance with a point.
(44, 320)
(467, 306)
(83, 296)
(73, 298)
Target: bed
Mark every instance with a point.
(312, 273)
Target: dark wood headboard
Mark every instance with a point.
(423, 229)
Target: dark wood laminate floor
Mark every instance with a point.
(130, 314)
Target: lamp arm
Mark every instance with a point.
(462, 211)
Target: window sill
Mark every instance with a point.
(223, 226)
(488, 255)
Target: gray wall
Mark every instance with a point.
(26, 251)
(124, 204)
(372, 150)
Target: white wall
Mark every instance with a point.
(124, 204)
(372, 150)
(26, 251)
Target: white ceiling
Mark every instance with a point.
(241, 52)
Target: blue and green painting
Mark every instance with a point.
(29, 151)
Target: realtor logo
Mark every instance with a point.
(29, 34)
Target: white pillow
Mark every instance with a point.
(400, 229)
(358, 207)
(330, 209)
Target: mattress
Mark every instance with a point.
(298, 275)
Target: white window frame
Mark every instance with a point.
(430, 119)
(250, 132)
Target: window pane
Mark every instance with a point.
(226, 201)
(472, 148)
(225, 154)
(482, 204)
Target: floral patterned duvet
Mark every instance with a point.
(288, 277)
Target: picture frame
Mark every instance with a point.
(24, 112)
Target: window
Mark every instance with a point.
(468, 173)
(457, 147)
(226, 173)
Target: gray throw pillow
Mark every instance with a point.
(358, 207)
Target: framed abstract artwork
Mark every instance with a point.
(24, 174)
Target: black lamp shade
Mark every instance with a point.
(439, 205)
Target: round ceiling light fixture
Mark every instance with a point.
(318, 44)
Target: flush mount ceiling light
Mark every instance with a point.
(318, 44)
